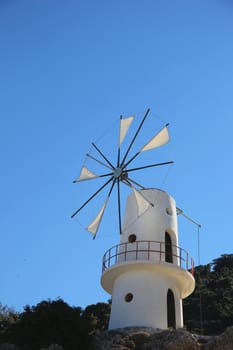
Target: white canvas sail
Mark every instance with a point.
(158, 140)
(86, 174)
(124, 127)
(93, 227)
(142, 203)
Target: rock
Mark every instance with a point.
(221, 342)
(145, 339)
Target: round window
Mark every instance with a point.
(129, 297)
(132, 238)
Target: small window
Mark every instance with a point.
(169, 211)
(132, 238)
(129, 297)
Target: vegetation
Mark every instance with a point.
(209, 309)
(53, 322)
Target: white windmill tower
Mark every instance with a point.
(147, 273)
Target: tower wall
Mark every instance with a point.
(141, 270)
(149, 300)
(150, 222)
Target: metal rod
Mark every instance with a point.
(119, 204)
(98, 161)
(148, 166)
(126, 164)
(89, 199)
(180, 211)
(119, 147)
(93, 178)
(106, 202)
(101, 153)
(136, 134)
(136, 183)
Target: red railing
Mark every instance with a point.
(153, 251)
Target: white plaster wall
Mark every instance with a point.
(151, 225)
(149, 305)
(155, 221)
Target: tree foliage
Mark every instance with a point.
(55, 322)
(210, 307)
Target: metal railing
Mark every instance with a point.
(153, 251)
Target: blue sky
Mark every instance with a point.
(68, 70)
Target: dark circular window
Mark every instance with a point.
(132, 238)
(129, 297)
(169, 211)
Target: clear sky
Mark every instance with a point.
(68, 70)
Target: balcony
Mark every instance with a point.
(150, 251)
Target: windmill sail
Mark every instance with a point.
(124, 127)
(142, 203)
(86, 174)
(93, 227)
(158, 140)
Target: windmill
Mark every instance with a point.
(121, 172)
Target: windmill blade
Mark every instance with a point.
(143, 202)
(124, 127)
(158, 140)
(89, 199)
(94, 226)
(86, 174)
(135, 136)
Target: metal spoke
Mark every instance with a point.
(101, 153)
(98, 161)
(89, 199)
(108, 196)
(134, 138)
(93, 178)
(136, 183)
(148, 166)
(119, 150)
(119, 204)
(126, 164)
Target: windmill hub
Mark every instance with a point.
(117, 172)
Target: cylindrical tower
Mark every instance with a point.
(147, 274)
